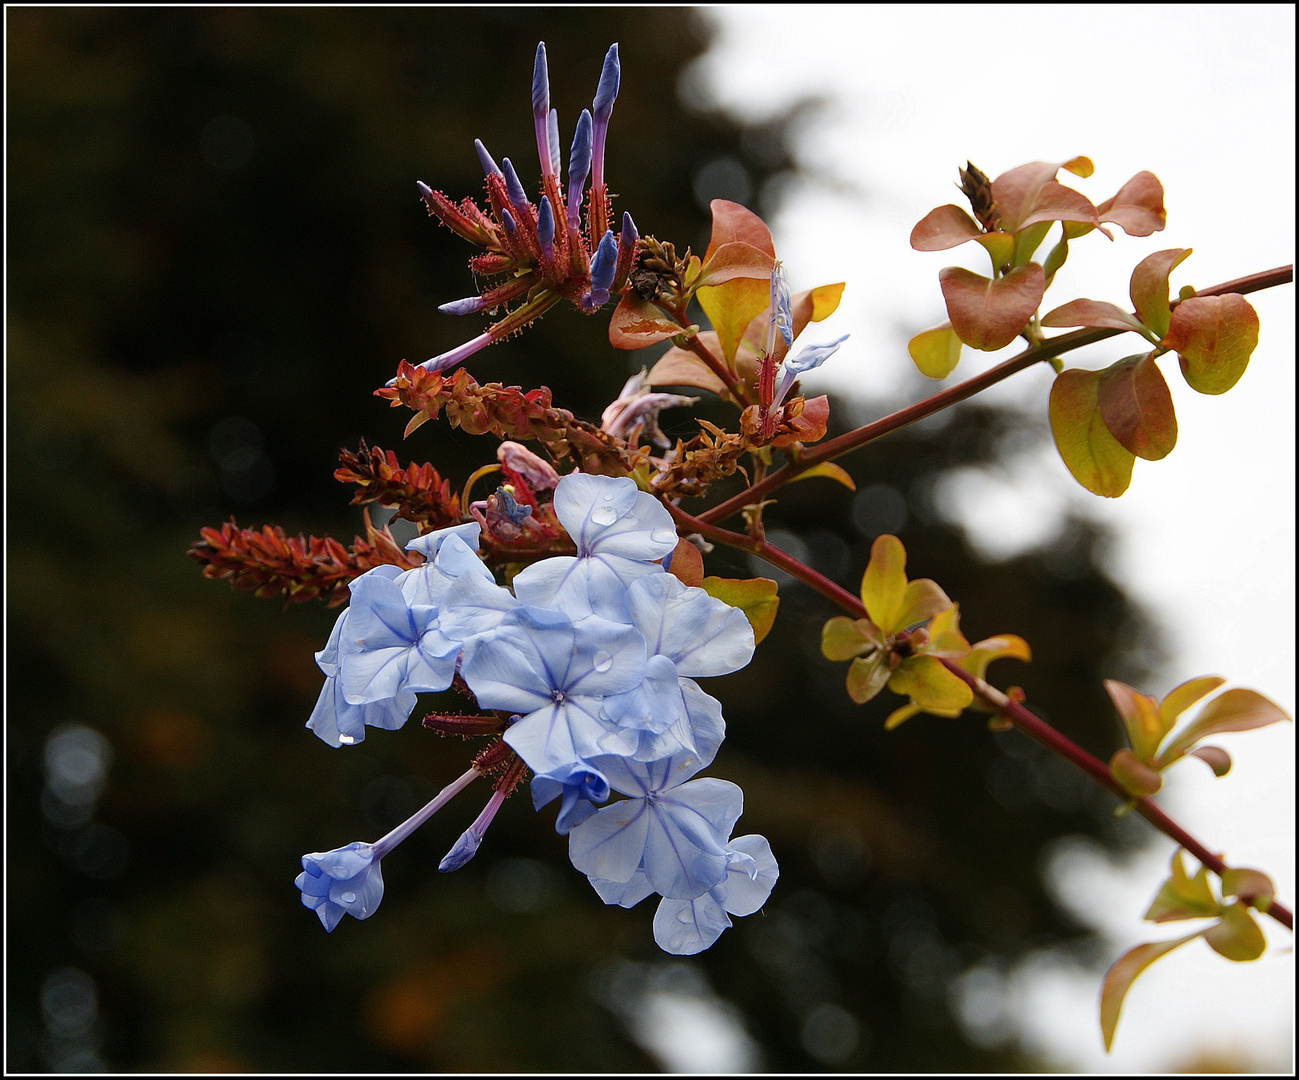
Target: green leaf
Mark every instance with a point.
(843, 638)
(1122, 974)
(884, 585)
(900, 716)
(756, 597)
(830, 469)
(944, 227)
(1029, 239)
(1252, 886)
(930, 685)
(922, 600)
(867, 676)
(1055, 258)
(730, 307)
(1214, 337)
(1000, 247)
(1137, 408)
(1094, 457)
(1234, 710)
(988, 314)
(637, 323)
(1137, 778)
(1236, 935)
(935, 352)
(1149, 287)
(1183, 896)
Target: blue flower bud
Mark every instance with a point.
(579, 165)
(489, 166)
(508, 221)
(470, 305)
(540, 83)
(607, 89)
(424, 190)
(552, 141)
(461, 852)
(518, 197)
(603, 264)
(629, 235)
(546, 227)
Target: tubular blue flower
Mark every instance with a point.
(577, 787)
(620, 534)
(604, 264)
(454, 356)
(672, 830)
(546, 229)
(485, 159)
(347, 880)
(782, 316)
(471, 839)
(602, 109)
(541, 108)
(470, 305)
(628, 242)
(518, 197)
(552, 140)
(555, 673)
(579, 166)
(685, 927)
(813, 356)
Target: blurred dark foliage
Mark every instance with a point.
(215, 254)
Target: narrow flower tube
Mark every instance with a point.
(541, 109)
(579, 166)
(489, 166)
(546, 229)
(470, 305)
(781, 317)
(811, 357)
(391, 840)
(462, 352)
(471, 839)
(602, 108)
(552, 139)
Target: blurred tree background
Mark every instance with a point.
(216, 253)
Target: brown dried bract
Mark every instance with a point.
(417, 492)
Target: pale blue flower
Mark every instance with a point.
(343, 881)
(674, 831)
(813, 356)
(685, 927)
(578, 787)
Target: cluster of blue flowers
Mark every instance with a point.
(593, 657)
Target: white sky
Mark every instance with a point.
(1203, 97)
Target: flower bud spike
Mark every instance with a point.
(546, 229)
(602, 109)
(471, 839)
(628, 239)
(579, 166)
(603, 266)
(552, 139)
(541, 109)
(518, 197)
(470, 305)
(489, 166)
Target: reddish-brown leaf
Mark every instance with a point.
(1096, 459)
(1093, 313)
(735, 259)
(637, 323)
(1149, 287)
(1137, 407)
(1137, 207)
(733, 222)
(1030, 194)
(1213, 337)
(942, 228)
(988, 314)
(687, 564)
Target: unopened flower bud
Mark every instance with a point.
(489, 166)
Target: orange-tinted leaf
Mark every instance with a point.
(935, 352)
(1253, 886)
(1236, 935)
(1142, 721)
(867, 676)
(1138, 778)
(677, 367)
(884, 585)
(1182, 697)
(833, 471)
(1030, 194)
(942, 228)
(637, 323)
(930, 685)
(1094, 457)
(687, 563)
(1234, 710)
(1213, 337)
(736, 259)
(1149, 287)
(986, 651)
(730, 307)
(1093, 313)
(810, 425)
(1079, 166)
(825, 300)
(922, 600)
(1183, 896)
(988, 314)
(843, 638)
(1215, 757)
(1123, 973)
(733, 222)
(1137, 207)
(1137, 407)
(756, 597)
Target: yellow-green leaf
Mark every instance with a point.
(843, 638)
(1141, 718)
(922, 600)
(1095, 457)
(1236, 935)
(1252, 886)
(901, 715)
(830, 469)
(867, 676)
(930, 685)
(935, 352)
(1138, 778)
(1234, 710)
(1214, 337)
(884, 585)
(756, 597)
(1183, 896)
(1182, 697)
(825, 300)
(1149, 287)
(986, 651)
(1122, 974)
(730, 307)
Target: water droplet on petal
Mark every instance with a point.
(664, 536)
(685, 915)
(349, 898)
(604, 515)
(347, 740)
(603, 661)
